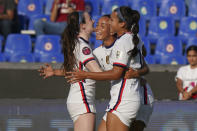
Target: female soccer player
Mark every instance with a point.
(186, 78)
(102, 54)
(77, 54)
(125, 94)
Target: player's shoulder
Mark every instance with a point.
(98, 50)
(184, 68)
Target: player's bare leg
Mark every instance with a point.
(102, 126)
(137, 125)
(85, 122)
(114, 123)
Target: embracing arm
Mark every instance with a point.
(131, 73)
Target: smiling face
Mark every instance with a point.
(103, 28)
(192, 57)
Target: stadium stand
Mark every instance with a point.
(191, 41)
(173, 60)
(170, 46)
(35, 17)
(28, 8)
(150, 59)
(45, 45)
(142, 27)
(173, 8)
(188, 28)
(52, 58)
(22, 57)
(160, 26)
(17, 43)
(147, 8)
(192, 8)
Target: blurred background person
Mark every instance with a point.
(7, 9)
(186, 78)
(59, 12)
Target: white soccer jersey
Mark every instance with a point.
(188, 76)
(84, 91)
(124, 89)
(102, 54)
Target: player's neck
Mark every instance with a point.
(193, 66)
(121, 32)
(109, 41)
(84, 36)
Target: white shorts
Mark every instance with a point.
(76, 109)
(144, 113)
(126, 111)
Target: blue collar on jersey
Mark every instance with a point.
(107, 47)
(84, 40)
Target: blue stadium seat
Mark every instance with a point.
(191, 41)
(147, 8)
(147, 45)
(173, 60)
(150, 59)
(93, 7)
(22, 57)
(174, 8)
(188, 28)
(47, 44)
(109, 5)
(17, 43)
(29, 7)
(52, 58)
(168, 46)
(35, 17)
(48, 7)
(2, 58)
(26, 9)
(160, 26)
(142, 27)
(192, 8)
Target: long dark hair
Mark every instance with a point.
(70, 38)
(131, 18)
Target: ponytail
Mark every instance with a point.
(131, 18)
(69, 39)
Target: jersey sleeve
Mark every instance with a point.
(120, 53)
(180, 74)
(85, 54)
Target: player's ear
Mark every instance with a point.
(122, 24)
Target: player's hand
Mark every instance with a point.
(76, 76)
(186, 96)
(46, 71)
(131, 74)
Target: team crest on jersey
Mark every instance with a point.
(107, 59)
(117, 54)
(86, 51)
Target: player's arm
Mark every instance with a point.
(179, 85)
(47, 71)
(114, 74)
(54, 11)
(131, 73)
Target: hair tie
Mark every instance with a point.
(132, 26)
(120, 14)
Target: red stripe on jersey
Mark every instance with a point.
(145, 95)
(120, 94)
(87, 60)
(84, 97)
